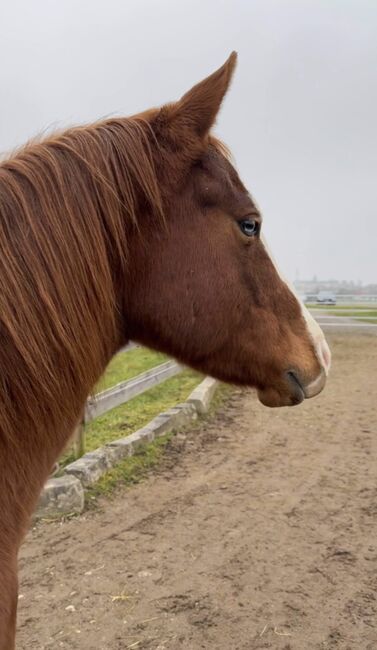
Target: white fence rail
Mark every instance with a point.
(127, 390)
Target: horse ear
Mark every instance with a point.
(196, 111)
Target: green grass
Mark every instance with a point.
(339, 306)
(129, 364)
(371, 313)
(132, 470)
(128, 417)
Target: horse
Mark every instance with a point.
(140, 229)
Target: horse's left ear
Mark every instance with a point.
(196, 111)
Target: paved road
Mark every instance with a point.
(329, 321)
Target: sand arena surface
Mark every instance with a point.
(257, 531)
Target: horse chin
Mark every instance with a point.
(273, 398)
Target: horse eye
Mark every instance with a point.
(249, 227)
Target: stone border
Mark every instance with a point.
(65, 495)
(202, 395)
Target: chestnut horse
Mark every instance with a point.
(131, 228)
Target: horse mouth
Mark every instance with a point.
(274, 398)
(295, 391)
(309, 390)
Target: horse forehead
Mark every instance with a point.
(221, 169)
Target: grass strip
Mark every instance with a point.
(128, 364)
(134, 469)
(128, 417)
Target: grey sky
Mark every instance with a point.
(300, 118)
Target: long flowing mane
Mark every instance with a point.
(64, 206)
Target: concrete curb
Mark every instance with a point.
(65, 495)
(60, 496)
(90, 467)
(202, 396)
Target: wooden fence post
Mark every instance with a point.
(79, 440)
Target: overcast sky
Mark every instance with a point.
(300, 118)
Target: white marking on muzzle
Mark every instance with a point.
(321, 348)
(316, 386)
(320, 344)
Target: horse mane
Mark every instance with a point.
(65, 206)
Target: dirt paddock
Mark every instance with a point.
(258, 531)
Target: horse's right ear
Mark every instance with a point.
(196, 111)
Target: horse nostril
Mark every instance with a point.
(298, 392)
(306, 389)
(292, 376)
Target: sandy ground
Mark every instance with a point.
(258, 531)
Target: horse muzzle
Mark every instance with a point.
(292, 390)
(308, 390)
